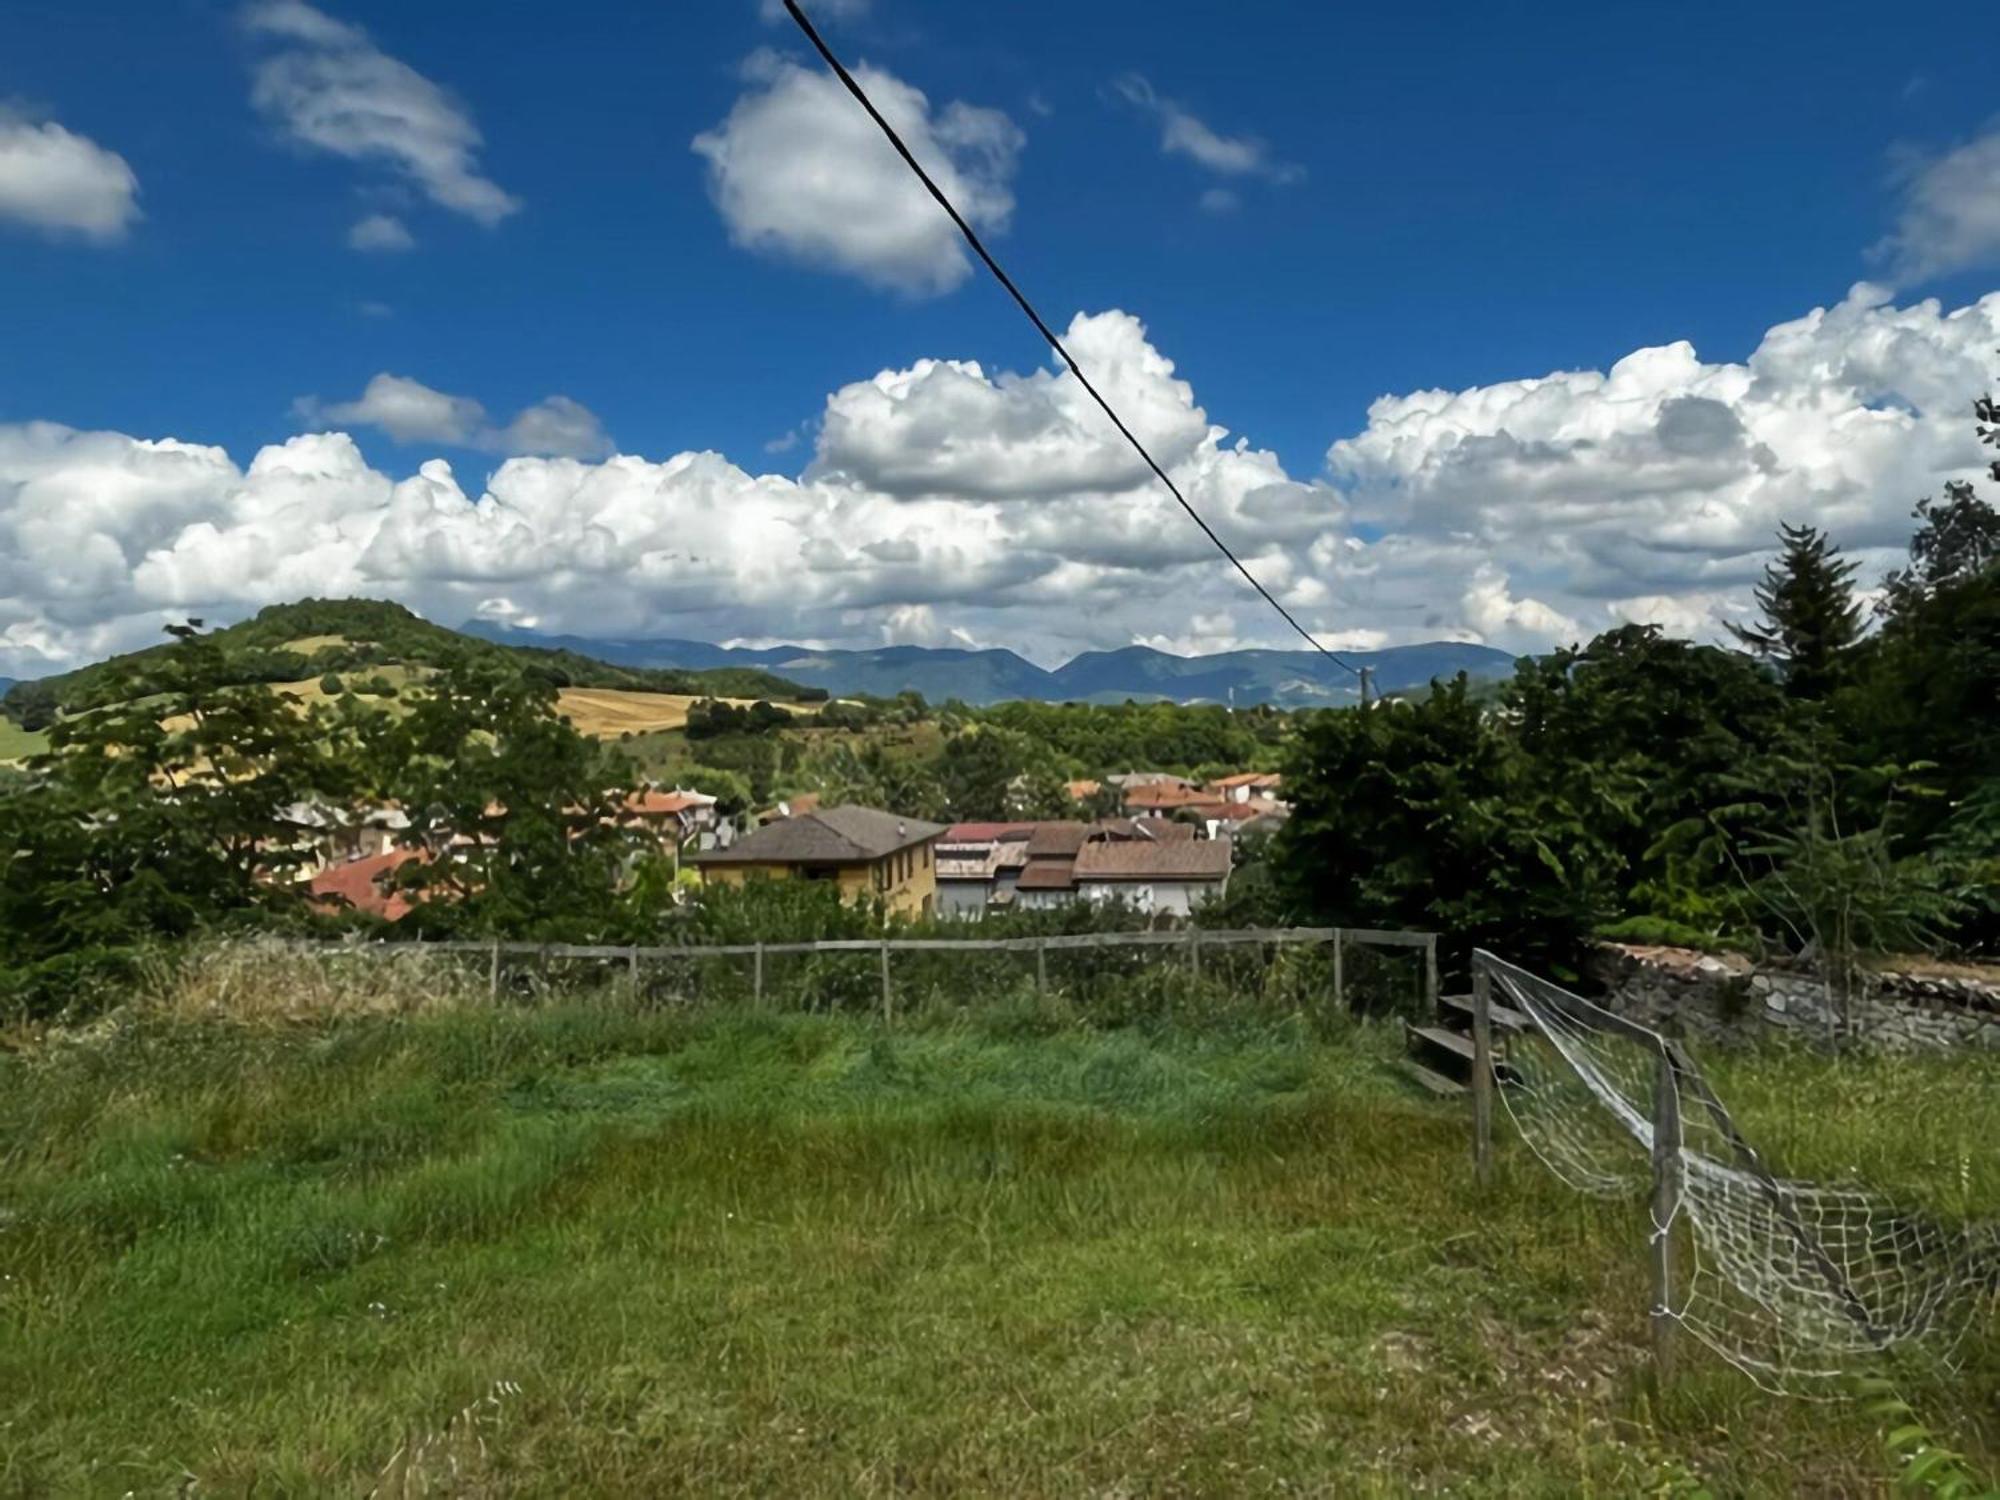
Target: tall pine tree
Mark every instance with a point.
(1808, 618)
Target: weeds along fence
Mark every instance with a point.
(1325, 972)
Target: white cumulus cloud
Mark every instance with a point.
(412, 412)
(798, 170)
(54, 179)
(329, 87)
(947, 503)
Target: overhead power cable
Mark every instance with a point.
(979, 249)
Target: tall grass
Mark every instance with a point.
(309, 1232)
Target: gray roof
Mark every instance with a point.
(830, 836)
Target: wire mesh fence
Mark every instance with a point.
(1324, 974)
(1794, 1282)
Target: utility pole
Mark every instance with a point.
(1367, 673)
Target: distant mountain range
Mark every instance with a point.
(1289, 679)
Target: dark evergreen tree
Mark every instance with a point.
(1808, 618)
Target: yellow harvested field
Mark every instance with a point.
(608, 712)
(307, 645)
(603, 712)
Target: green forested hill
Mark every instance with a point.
(286, 642)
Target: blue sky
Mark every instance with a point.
(1307, 208)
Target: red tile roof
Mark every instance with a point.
(657, 804)
(357, 885)
(984, 833)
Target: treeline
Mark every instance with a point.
(952, 761)
(1832, 789)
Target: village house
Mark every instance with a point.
(1164, 797)
(1245, 786)
(869, 854)
(1168, 877)
(330, 836)
(364, 885)
(671, 819)
(982, 866)
(977, 864)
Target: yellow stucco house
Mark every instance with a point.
(868, 853)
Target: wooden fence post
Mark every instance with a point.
(1431, 980)
(493, 972)
(1041, 967)
(1194, 952)
(888, 1010)
(757, 977)
(1666, 1208)
(1339, 979)
(1482, 1073)
(632, 966)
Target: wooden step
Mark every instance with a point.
(1458, 1010)
(1455, 1044)
(1437, 1083)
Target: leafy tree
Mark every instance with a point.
(1808, 619)
(1425, 814)
(163, 812)
(517, 811)
(976, 772)
(1840, 890)
(1958, 540)
(1661, 736)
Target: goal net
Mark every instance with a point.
(1793, 1282)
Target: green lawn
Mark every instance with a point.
(587, 1249)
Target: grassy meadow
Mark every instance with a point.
(297, 1228)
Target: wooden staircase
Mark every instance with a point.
(1439, 1055)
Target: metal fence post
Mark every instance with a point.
(1041, 966)
(1482, 1073)
(888, 1010)
(757, 977)
(1666, 1208)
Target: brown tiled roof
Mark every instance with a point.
(1048, 875)
(1141, 828)
(1056, 839)
(1078, 790)
(835, 836)
(1192, 859)
(1163, 794)
(1247, 778)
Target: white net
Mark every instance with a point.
(1792, 1282)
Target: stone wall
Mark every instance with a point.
(1728, 999)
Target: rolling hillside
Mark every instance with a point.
(1289, 679)
(290, 642)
